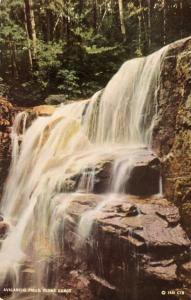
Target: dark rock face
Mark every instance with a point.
(134, 249)
(4, 228)
(172, 133)
(144, 176)
(38, 111)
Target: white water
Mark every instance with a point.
(75, 138)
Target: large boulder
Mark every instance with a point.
(144, 176)
(43, 110)
(4, 228)
(56, 99)
(172, 131)
(132, 240)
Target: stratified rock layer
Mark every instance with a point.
(134, 248)
(172, 132)
(145, 172)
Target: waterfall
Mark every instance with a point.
(74, 139)
(127, 105)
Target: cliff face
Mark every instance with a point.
(172, 132)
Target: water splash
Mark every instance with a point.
(87, 180)
(121, 174)
(87, 219)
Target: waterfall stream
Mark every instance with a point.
(55, 149)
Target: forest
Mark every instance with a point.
(73, 47)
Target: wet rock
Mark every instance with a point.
(162, 272)
(135, 240)
(37, 111)
(6, 283)
(144, 177)
(186, 268)
(130, 211)
(43, 110)
(170, 215)
(103, 178)
(102, 288)
(4, 228)
(149, 226)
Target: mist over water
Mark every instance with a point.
(74, 139)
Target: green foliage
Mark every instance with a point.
(68, 83)
(79, 44)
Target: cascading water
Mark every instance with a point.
(73, 140)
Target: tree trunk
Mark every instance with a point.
(164, 22)
(140, 27)
(67, 22)
(181, 19)
(149, 24)
(122, 20)
(31, 28)
(28, 41)
(62, 28)
(95, 15)
(14, 70)
(81, 6)
(48, 17)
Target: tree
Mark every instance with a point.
(73, 47)
(164, 22)
(149, 24)
(122, 20)
(31, 29)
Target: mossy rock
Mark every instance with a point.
(186, 216)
